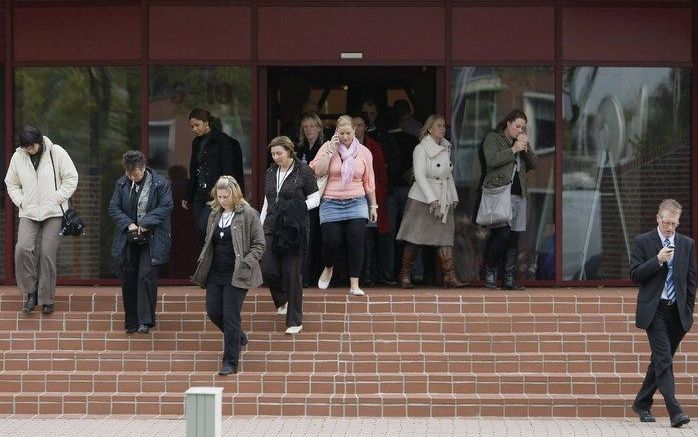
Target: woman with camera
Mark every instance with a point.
(228, 265)
(41, 178)
(140, 209)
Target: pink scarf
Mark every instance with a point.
(348, 156)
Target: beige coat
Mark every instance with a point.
(249, 245)
(433, 178)
(33, 191)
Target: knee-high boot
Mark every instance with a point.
(408, 254)
(445, 254)
(510, 271)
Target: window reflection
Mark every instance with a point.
(174, 91)
(94, 113)
(627, 145)
(481, 96)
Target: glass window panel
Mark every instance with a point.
(94, 113)
(3, 165)
(481, 96)
(174, 91)
(627, 145)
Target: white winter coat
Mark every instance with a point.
(433, 179)
(33, 191)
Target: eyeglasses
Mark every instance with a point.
(666, 223)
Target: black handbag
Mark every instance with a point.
(72, 222)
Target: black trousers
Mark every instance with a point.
(665, 334)
(282, 274)
(312, 261)
(223, 307)
(352, 233)
(201, 212)
(139, 287)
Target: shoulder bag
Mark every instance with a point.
(72, 223)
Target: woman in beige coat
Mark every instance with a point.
(229, 265)
(41, 178)
(428, 217)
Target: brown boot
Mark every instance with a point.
(446, 257)
(408, 254)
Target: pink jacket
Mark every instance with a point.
(363, 182)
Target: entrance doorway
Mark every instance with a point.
(334, 91)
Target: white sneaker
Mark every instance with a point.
(283, 309)
(356, 292)
(294, 330)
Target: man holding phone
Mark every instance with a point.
(663, 264)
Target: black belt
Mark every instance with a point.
(667, 302)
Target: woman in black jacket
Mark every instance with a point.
(140, 209)
(290, 190)
(213, 154)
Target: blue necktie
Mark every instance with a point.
(669, 284)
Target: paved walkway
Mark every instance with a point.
(322, 427)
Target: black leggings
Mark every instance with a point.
(500, 241)
(349, 231)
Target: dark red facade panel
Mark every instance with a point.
(503, 34)
(411, 34)
(2, 35)
(653, 35)
(77, 33)
(200, 33)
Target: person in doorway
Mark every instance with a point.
(290, 192)
(228, 265)
(505, 157)
(663, 264)
(40, 179)
(310, 140)
(213, 154)
(382, 226)
(429, 212)
(140, 208)
(393, 160)
(348, 166)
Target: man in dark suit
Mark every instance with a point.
(663, 264)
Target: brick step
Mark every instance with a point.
(334, 342)
(315, 322)
(189, 299)
(255, 361)
(581, 384)
(385, 405)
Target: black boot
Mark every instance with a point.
(31, 303)
(510, 270)
(490, 277)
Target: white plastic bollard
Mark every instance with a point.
(203, 409)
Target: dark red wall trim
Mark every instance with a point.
(9, 141)
(77, 33)
(558, 142)
(694, 124)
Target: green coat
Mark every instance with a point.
(500, 162)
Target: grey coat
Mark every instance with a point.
(249, 245)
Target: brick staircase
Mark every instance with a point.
(421, 353)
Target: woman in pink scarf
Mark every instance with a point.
(348, 166)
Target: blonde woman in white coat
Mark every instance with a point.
(30, 184)
(428, 217)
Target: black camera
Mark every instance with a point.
(133, 237)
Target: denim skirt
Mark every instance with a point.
(337, 210)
